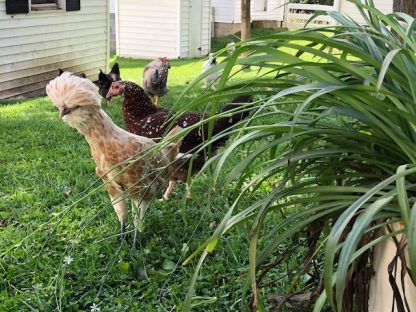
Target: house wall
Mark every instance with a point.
(205, 21)
(152, 28)
(229, 11)
(206, 27)
(348, 8)
(275, 11)
(147, 28)
(112, 23)
(34, 46)
(224, 10)
(227, 15)
(184, 30)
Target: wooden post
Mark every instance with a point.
(406, 6)
(245, 20)
(245, 25)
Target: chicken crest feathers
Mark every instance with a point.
(70, 90)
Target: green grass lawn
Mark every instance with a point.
(54, 210)
(45, 171)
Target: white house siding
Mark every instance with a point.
(147, 28)
(184, 30)
(205, 30)
(237, 11)
(206, 27)
(229, 11)
(112, 8)
(349, 9)
(274, 11)
(34, 46)
(224, 10)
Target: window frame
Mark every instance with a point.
(15, 7)
(60, 7)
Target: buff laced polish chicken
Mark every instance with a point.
(112, 148)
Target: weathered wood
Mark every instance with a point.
(406, 6)
(245, 20)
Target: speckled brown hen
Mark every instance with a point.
(142, 117)
(155, 78)
(79, 105)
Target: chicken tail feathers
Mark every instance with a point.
(239, 115)
(224, 123)
(198, 160)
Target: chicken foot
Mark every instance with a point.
(168, 192)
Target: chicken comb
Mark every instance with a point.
(70, 90)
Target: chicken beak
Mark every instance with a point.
(63, 110)
(109, 99)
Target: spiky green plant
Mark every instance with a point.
(333, 138)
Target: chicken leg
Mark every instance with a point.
(138, 217)
(119, 204)
(168, 191)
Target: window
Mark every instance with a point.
(44, 5)
(25, 6)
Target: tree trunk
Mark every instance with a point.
(245, 20)
(245, 25)
(406, 6)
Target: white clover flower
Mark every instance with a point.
(95, 308)
(68, 260)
